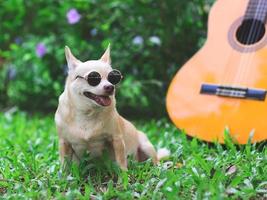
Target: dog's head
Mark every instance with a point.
(91, 83)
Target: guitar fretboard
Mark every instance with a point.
(257, 9)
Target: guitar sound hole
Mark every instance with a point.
(250, 32)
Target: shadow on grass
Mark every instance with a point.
(103, 173)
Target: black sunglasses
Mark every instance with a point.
(94, 78)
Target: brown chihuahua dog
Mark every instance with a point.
(86, 117)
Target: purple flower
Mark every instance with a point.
(138, 40)
(18, 40)
(93, 32)
(40, 50)
(73, 16)
(11, 73)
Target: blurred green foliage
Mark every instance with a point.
(150, 41)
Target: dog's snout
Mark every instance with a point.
(109, 88)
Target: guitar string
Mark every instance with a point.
(245, 56)
(228, 79)
(248, 58)
(248, 69)
(243, 59)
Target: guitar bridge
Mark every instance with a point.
(233, 92)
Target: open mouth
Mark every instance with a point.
(99, 99)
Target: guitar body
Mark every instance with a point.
(222, 61)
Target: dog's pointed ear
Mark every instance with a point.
(106, 56)
(71, 60)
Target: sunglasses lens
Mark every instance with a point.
(114, 77)
(93, 78)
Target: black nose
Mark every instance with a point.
(109, 88)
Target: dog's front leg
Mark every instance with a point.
(120, 152)
(66, 152)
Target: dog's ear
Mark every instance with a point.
(106, 56)
(71, 60)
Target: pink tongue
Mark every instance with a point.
(104, 101)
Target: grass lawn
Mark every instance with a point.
(30, 169)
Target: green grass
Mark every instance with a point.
(30, 169)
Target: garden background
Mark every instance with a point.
(150, 41)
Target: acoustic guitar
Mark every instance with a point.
(223, 87)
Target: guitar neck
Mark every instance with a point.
(257, 9)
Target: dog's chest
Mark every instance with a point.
(91, 136)
(86, 131)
